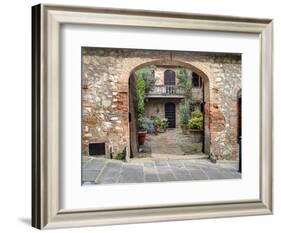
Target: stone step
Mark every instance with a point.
(157, 157)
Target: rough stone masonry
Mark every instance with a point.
(105, 100)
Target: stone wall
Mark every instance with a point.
(159, 74)
(105, 74)
(224, 120)
(104, 103)
(197, 94)
(156, 107)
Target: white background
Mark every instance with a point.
(15, 123)
(130, 195)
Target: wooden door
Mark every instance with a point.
(132, 115)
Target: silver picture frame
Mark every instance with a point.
(46, 141)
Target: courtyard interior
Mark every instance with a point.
(171, 144)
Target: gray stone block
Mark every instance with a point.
(161, 163)
(198, 175)
(95, 164)
(175, 163)
(151, 178)
(110, 174)
(214, 175)
(185, 177)
(149, 164)
(90, 175)
(165, 174)
(131, 174)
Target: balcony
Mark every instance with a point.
(166, 91)
(173, 91)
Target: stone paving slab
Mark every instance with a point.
(132, 174)
(107, 171)
(150, 173)
(88, 175)
(161, 163)
(165, 174)
(110, 174)
(95, 164)
(198, 174)
(148, 164)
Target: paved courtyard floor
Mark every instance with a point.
(108, 171)
(170, 144)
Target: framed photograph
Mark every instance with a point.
(138, 116)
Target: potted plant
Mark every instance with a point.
(145, 125)
(141, 131)
(195, 126)
(163, 125)
(145, 82)
(157, 124)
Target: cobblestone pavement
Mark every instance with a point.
(107, 171)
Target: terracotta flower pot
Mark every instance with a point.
(196, 135)
(184, 130)
(141, 137)
(157, 130)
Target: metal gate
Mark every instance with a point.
(170, 114)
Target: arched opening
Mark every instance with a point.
(196, 80)
(169, 77)
(170, 107)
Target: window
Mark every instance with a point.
(169, 77)
(195, 80)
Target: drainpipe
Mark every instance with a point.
(240, 155)
(203, 90)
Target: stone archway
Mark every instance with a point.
(192, 66)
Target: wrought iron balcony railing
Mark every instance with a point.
(166, 90)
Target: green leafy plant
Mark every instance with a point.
(121, 155)
(164, 123)
(229, 156)
(140, 92)
(157, 121)
(195, 123)
(185, 82)
(184, 115)
(196, 114)
(196, 120)
(145, 123)
(145, 82)
(147, 75)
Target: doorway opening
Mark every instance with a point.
(170, 114)
(157, 113)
